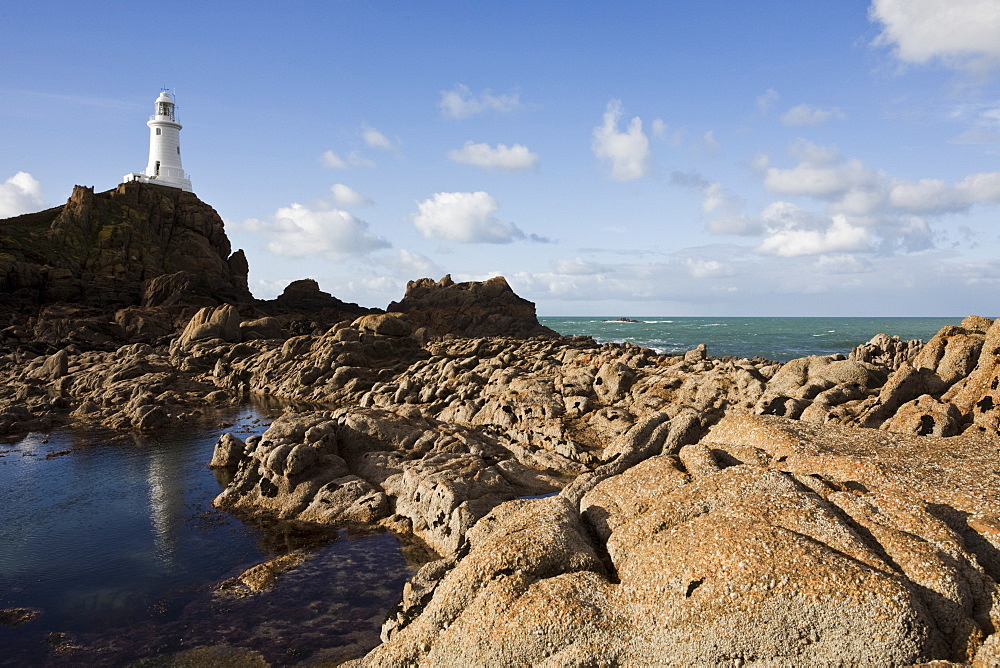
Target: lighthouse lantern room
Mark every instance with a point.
(164, 167)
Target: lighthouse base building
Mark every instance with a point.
(164, 167)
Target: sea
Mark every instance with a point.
(111, 547)
(778, 339)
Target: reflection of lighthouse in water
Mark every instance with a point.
(164, 166)
(166, 501)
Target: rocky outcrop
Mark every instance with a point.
(788, 544)
(475, 309)
(310, 308)
(886, 351)
(101, 248)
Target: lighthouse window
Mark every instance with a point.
(157, 170)
(178, 150)
(157, 130)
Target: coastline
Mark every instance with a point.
(586, 502)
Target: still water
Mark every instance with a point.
(112, 542)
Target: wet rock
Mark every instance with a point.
(261, 577)
(18, 616)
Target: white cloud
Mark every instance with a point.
(981, 188)
(347, 196)
(376, 139)
(767, 101)
(716, 199)
(779, 216)
(350, 161)
(822, 173)
(578, 267)
(21, 193)
(464, 217)
(658, 128)
(804, 114)
(698, 268)
(855, 190)
(299, 231)
(936, 196)
(460, 102)
(925, 195)
(628, 152)
(840, 236)
(959, 33)
(511, 158)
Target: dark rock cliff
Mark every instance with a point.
(474, 309)
(101, 248)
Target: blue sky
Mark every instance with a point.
(643, 158)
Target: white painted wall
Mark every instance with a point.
(164, 166)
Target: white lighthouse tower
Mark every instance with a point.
(164, 167)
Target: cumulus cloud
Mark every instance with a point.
(350, 161)
(852, 188)
(300, 231)
(461, 103)
(464, 217)
(961, 34)
(805, 114)
(376, 139)
(766, 101)
(347, 196)
(822, 173)
(658, 128)
(514, 158)
(21, 193)
(627, 152)
(840, 236)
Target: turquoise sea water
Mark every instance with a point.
(779, 339)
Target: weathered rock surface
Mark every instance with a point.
(801, 546)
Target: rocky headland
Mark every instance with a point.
(587, 504)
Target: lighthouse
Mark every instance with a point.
(164, 167)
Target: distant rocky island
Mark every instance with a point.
(589, 504)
